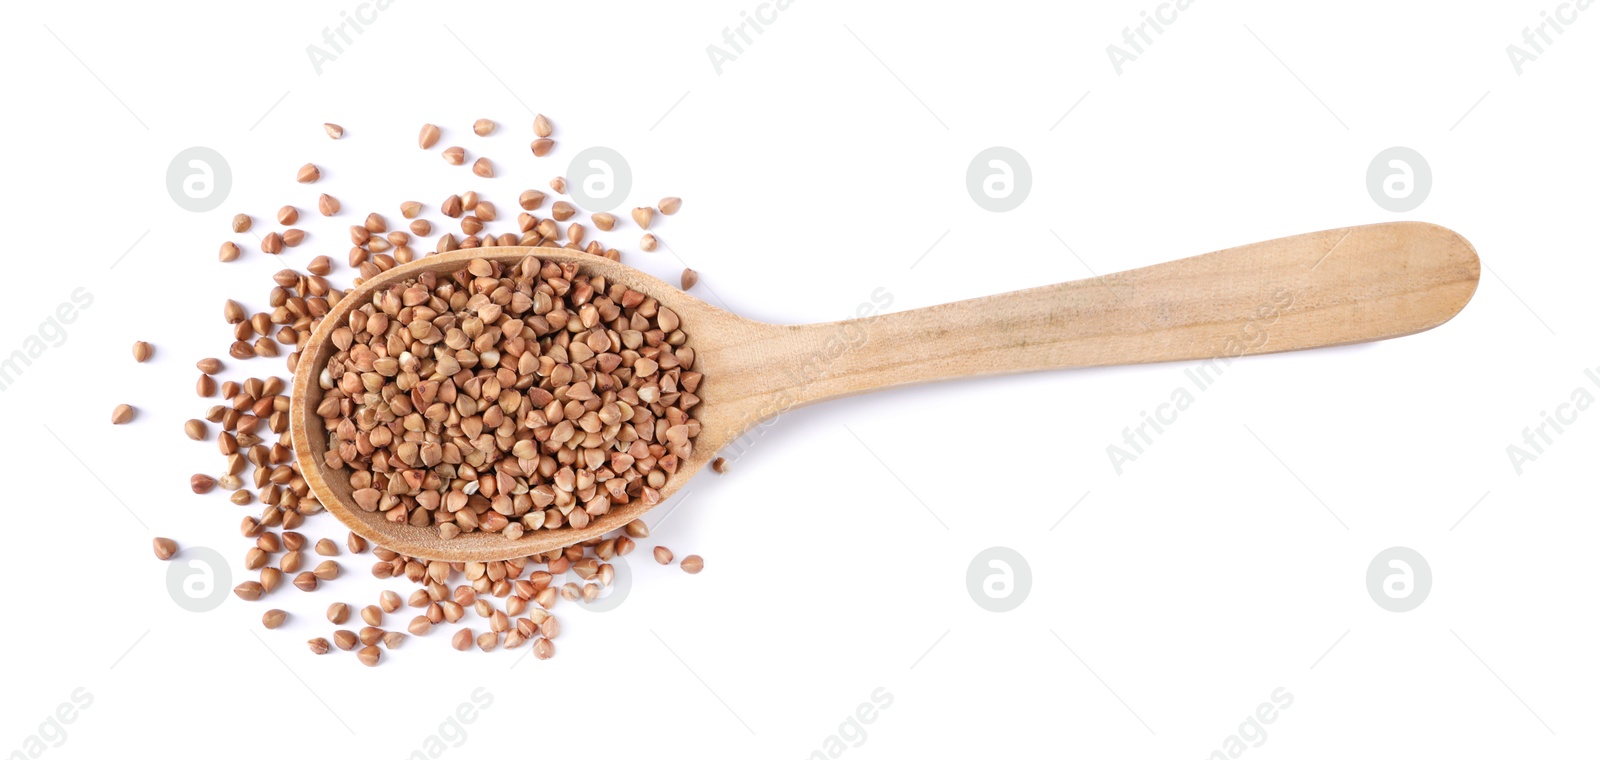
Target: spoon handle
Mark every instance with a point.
(1320, 289)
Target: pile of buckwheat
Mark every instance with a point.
(508, 398)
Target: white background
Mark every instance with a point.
(822, 164)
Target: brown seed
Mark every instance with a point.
(541, 126)
(542, 146)
(326, 570)
(669, 205)
(428, 136)
(233, 312)
(248, 591)
(345, 640)
(338, 613)
(334, 130)
(164, 547)
(637, 529)
(327, 205)
(196, 430)
(642, 216)
(327, 548)
(318, 645)
(210, 366)
(372, 615)
(291, 562)
(559, 184)
(305, 581)
(420, 626)
(241, 222)
(206, 386)
(288, 215)
(483, 168)
(388, 601)
(455, 156)
(452, 207)
(482, 127)
(603, 221)
(320, 266)
(308, 174)
(272, 243)
(462, 640)
(228, 252)
(355, 544)
(122, 414)
(270, 578)
(546, 597)
(562, 211)
(293, 237)
(530, 200)
(202, 483)
(370, 635)
(720, 465)
(543, 649)
(648, 242)
(421, 227)
(692, 564)
(369, 656)
(393, 640)
(663, 555)
(488, 640)
(273, 618)
(687, 280)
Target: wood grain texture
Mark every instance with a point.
(1321, 289)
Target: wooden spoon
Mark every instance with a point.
(1321, 289)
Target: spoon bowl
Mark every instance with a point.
(1319, 289)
